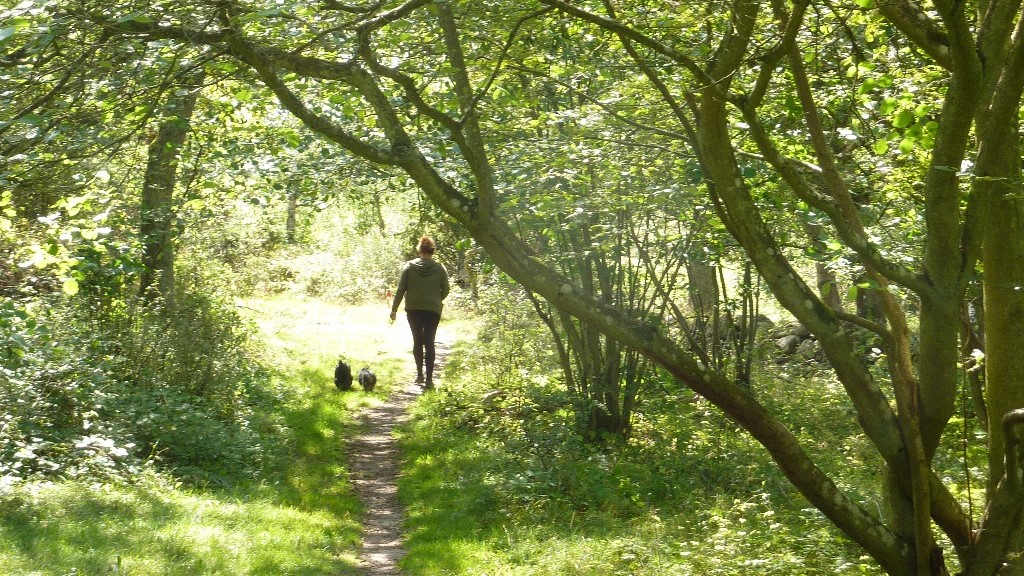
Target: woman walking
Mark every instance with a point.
(424, 285)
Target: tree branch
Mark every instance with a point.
(392, 15)
(617, 27)
(655, 79)
(73, 69)
(351, 8)
(501, 59)
(919, 28)
(605, 107)
(475, 151)
(262, 61)
(787, 168)
(785, 46)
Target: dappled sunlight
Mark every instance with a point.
(732, 262)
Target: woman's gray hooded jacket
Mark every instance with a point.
(423, 284)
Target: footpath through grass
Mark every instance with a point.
(492, 485)
(299, 518)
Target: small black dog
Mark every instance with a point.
(343, 376)
(367, 379)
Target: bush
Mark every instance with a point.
(100, 390)
(513, 348)
(48, 396)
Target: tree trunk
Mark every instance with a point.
(828, 284)
(868, 303)
(998, 184)
(1004, 317)
(704, 300)
(290, 220)
(157, 211)
(378, 214)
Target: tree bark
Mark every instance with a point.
(702, 287)
(157, 211)
(291, 224)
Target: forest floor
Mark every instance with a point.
(374, 465)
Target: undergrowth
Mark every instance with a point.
(100, 390)
(499, 481)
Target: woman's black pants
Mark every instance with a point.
(424, 328)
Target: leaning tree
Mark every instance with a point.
(865, 119)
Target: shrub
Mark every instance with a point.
(338, 256)
(100, 390)
(48, 397)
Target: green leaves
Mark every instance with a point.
(292, 137)
(854, 289)
(913, 127)
(243, 95)
(17, 20)
(260, 15)
(139, 17)
(7, 214)
(70, 287)
(903, 118)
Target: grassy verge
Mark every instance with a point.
(298, 518)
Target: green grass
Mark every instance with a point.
(502, 489)
(505, 488)
(156, 528)
(299, 518)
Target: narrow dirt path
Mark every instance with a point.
(374, 466)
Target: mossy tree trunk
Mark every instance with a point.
(157, 217)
